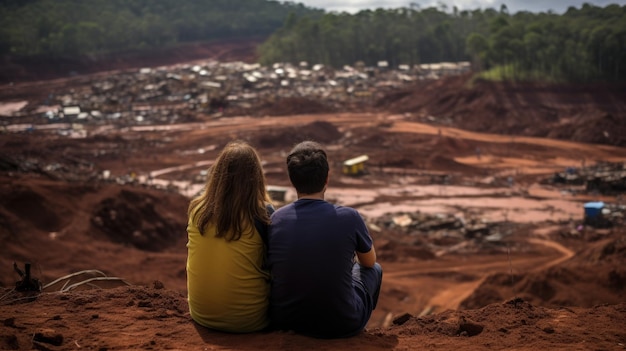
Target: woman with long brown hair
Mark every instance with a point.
(227, 282)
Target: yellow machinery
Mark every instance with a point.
(355, 166)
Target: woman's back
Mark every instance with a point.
(227, 285)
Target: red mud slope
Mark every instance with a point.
(20, 70)
(592, 113)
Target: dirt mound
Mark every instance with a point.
(511, 321)
(291, 106)
(593, 113)
(593, 276)
(604, 249)
(443, 162)
(55, 226)
(158, 319)
(133, 218)
(319, 131)
(22, 203)
(393, 251)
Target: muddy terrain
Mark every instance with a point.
(474, 194)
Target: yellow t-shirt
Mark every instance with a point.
(227, 288)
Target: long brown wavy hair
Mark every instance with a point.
(234, 195)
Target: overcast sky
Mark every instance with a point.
(557, 6)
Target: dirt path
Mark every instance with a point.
(450, 296)
(566, 253)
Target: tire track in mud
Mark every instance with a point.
(452, 297)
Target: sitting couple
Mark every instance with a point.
(250, 268)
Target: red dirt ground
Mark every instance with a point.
(545, 284)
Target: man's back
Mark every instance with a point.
(311, 251)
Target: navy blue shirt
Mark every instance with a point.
(312, 244)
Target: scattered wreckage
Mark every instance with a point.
(604, 178)
(175, 94)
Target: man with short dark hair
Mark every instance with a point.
(317, 287)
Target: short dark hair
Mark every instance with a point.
(307, 166)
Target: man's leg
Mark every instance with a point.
(370, 280)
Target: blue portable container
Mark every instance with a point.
(593, 209)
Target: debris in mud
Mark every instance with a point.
(417, 223)
(605, 178)
(182, 93)
(425, 236)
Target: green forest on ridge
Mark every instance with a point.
(583, 44)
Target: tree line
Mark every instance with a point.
(62, 28)
(583, 44)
